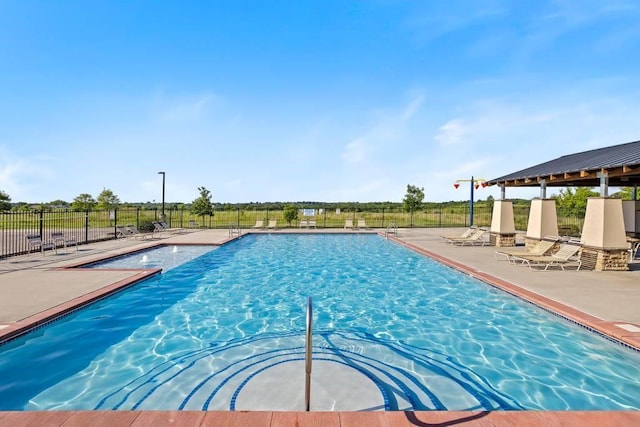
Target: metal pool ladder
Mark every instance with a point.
(392, 229)
(234, 229)
(307, 358)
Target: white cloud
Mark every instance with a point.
(183, 108)
(355, 152)
(451, 133)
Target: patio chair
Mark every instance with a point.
(259, 224)
(59, 240)
(464, 235)
(304, 223)
(567, 255)
(35, 241)
(272, 224)
(477, 238)
(348, 224)
(543, 247)
(137, 234)
(634, 244)
(362, 224)
(171, 229)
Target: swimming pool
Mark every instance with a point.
(226, 331)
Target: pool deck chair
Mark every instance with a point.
(464, 235)
(567, 255)
(59, 240)
(137, 234)
(193, 224)
(259, 224)
(634, 244)
(543, 247)
(477, 238)
(348, 224)
(35, 241)
(362, 224)
(272, 224)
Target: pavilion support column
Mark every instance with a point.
(503, 230)
(631, 214)
(543, 221)
(604, 242)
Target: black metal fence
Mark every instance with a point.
(94, 226)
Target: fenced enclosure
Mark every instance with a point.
(93, 226)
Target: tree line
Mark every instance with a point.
(569, 202)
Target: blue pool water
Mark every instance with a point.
(425, 336)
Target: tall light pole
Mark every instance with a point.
(163, 174)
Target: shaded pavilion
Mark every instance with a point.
(608, 221)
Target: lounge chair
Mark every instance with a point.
(567, 255)
(543, 247)
(362, 224)
(59, 240)
(464, 235)
(171, 229)
(193, 224)
(272, 224)
(634, 244)
(137, 234)
(259, 224)
(35, 241)
(477, 238)
(348, 224)
(304, 223)
(312, 223)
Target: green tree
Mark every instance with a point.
(625, 193)
(5, 201)
(202, 205)
(83, 202)
(290, 213)
(107, 200)
(413, 199)
(574, 202)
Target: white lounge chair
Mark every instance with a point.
(362, 224)
(272, 224)
(464, 235)
(567, 255)
(259, 224)
(543, 247)
(477, 238)
(348, 224)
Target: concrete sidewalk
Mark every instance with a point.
(35, 283)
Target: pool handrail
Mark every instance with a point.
(307, 364)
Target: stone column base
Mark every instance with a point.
(503, 240)
(604, 259)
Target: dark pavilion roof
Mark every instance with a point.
(620, 162)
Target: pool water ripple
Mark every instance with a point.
(207, 334)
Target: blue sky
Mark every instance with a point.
(332, 100)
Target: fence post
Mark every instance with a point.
(86, 227)
(115, 223)
(382, 217)
(138, 217)
(41, 225)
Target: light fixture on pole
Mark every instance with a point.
(163, 175)
(475, 183)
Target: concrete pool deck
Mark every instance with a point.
(36, 286)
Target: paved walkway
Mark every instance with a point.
(34, 286)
